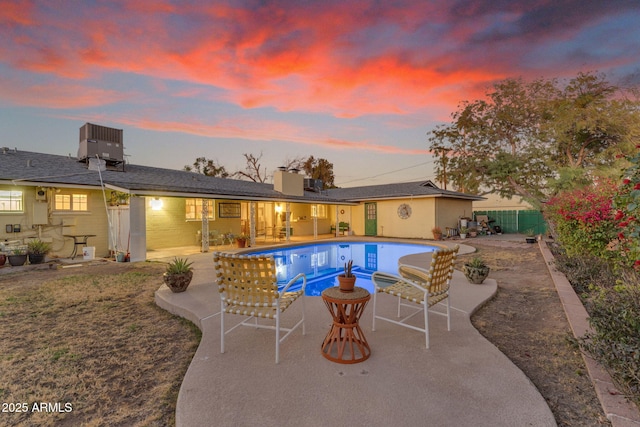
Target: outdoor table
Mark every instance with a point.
(345, 342)
(78, 240)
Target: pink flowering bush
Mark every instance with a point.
(627, 211)
(583, 220)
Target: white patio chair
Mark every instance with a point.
(249, 287)
(423, 288)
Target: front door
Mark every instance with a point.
(370, 219)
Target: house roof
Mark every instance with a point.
(30, 168)
(401, 190)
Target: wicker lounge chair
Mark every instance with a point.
(248, 286)
(419, 286)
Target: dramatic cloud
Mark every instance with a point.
(291, 70)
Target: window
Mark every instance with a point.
(10, 201)
(319, 211)
(71, 202)
(193, 209)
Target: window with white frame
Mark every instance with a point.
(319, 211)
(11, 201)
(193, 209)
(71, 202)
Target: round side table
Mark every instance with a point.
(345, 342)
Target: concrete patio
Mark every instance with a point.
(462, 380)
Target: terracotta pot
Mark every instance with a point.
(475, 275)
(178, 282)
(241, 243)
(437, 236)
(346, 283)
(3, 259)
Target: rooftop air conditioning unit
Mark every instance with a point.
(101, 141)
(311, 184)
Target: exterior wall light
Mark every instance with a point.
(156, 204)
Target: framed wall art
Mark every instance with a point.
(229, 210)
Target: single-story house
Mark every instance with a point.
(133, 208)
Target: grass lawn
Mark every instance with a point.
(88, 346)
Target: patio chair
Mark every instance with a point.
(248, 287)
(215, 238)
(419, 286)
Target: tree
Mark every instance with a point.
(532, 139)
(320, 169)
(207, 167)
(295, 163)
(253, 170)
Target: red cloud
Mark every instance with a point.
(16, 13)
(58, 96)
(349, 59)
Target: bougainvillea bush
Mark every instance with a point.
(583, 220)
(627, 211)
(602, 221)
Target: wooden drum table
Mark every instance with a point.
(345, 342)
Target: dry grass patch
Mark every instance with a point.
(94, 342)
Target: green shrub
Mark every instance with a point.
(585, 273)
(615, 340)
(627, 213)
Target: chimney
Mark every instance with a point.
(290, 184)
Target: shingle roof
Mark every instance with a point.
(49, 170)
(399, 190)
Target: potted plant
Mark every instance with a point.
(241, 240)
(37, 250)
(120, 256)
(18, 257)
(3, 259)
(119, 198)
(530, 236)
(476, 270)
(178, 274)
(437, 233)
(463, 232)
(473, 232)
(347, 281)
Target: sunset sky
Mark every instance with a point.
(357, 83)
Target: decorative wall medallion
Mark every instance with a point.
(404, 211)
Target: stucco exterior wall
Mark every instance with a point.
(449, 211)
(425, 214)
(418, 225)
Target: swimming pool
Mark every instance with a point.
(323, 262)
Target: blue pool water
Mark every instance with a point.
(323, 262)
